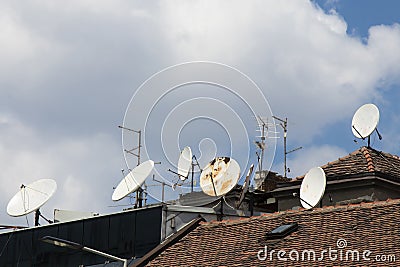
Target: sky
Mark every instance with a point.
(72, 72)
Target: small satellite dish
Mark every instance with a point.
(219, 176)
(245, 187)
(365, 121)
(31, 197)
(312, 188)
(133, 180)
(185, 163)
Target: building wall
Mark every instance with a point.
(342, 192)
(126, 234)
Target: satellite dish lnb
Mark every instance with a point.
(220, 176)
(185, 163)
(133, 180)
(365, 121)
(31, 197)
(312, 188)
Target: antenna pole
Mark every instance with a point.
(140, 145)
(139, 196)
(163, 184)
(130, 151)
(192, 175)
(283, 124)
(264, 126)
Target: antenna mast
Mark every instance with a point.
(130, 151)
(139, 193)
(284, 124)
(264, 128)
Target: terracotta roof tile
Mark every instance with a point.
(370, 226)
(363, 161)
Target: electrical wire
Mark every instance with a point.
(5, 246)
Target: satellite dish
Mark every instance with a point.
(245, 187)
(185, 163)
(365, 121)
(133, 180)
(219, 176)
(31, 197)
(312, 188)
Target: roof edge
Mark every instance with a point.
(152, 254)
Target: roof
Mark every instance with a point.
(269, 180)
(368, 232)
(363, 161)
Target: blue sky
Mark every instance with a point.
(360, 15)
(69, 71)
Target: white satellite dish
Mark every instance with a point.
(219, 176)
(365, 121)
(312, 188)
(185, 163)
(133, 180)
(31, 197)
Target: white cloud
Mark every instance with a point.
(313, 156)
(85, 169)
(68, 70)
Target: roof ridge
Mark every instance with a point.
(368, 157)
(362, 205)
(355, 152)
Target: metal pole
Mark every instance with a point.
(140, 144)
(162, 194)
(125, 261)
(284, 143)
(263, 144)
(192, 174)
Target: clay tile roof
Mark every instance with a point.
(369, 226)
(363, 161)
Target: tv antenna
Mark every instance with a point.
(31, 197)
(312, 188)
(263, 128)
(365, 121)
(163, 184)
(136, 148)
(186, 162)
(284, 124)
(219, 177)
(133, 181)
(135, 151)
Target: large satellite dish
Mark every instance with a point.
(133, 180)
(219, 176)
(31, 197)
(365, 121)
(185, 163)
(312, 188)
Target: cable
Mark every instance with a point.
(227, 203)
(8, 240)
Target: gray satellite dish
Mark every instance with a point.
(365, 121)
(219, 176)
(133, 180)
(185, 163)
(31, 197)
(312, 188)
(245, 187)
